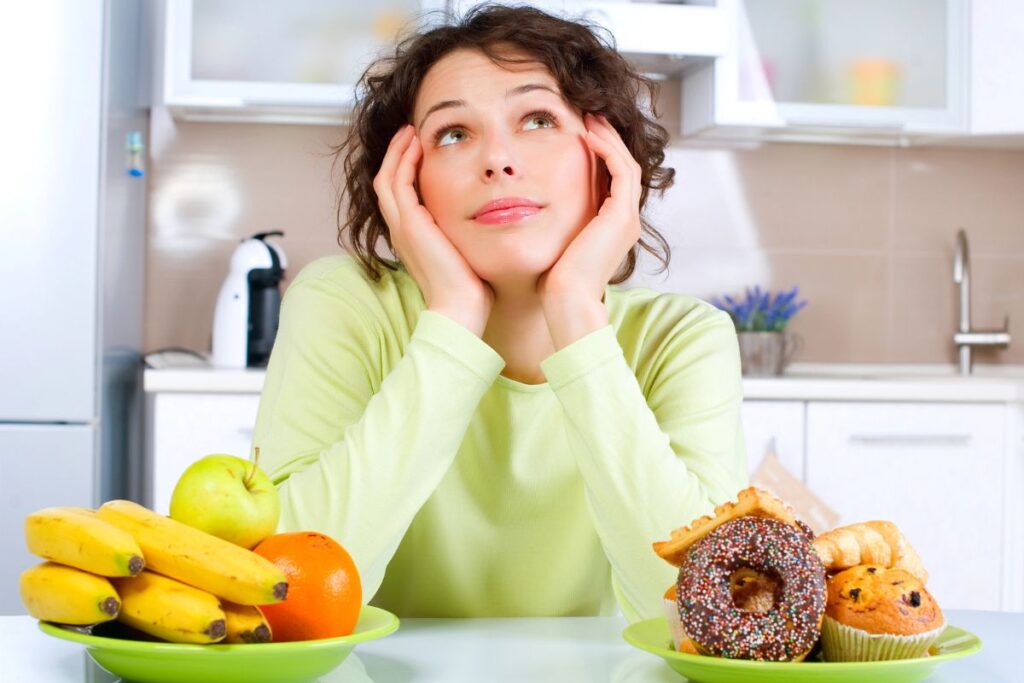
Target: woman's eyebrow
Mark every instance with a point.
(445, 104)
(518, 90)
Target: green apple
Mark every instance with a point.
(228, 497)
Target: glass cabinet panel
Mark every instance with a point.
(287, 61)
(293, 41)
(863, 53)
(865, 71)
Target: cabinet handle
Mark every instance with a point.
(912, 439)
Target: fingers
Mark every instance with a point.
(602, 126)
(399, 141)
(402, 188)
(624, 170)
(384, 181)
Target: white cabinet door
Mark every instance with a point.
(777, 425)
(184, 427)
(1013, 534)
(40, 466)
(936, 470)
(871, 72)
(289, 61)
(997, 53)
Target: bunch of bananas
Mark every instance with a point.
(155, 574)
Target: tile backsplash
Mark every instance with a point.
(867, 232)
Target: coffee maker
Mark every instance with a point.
(248, 306)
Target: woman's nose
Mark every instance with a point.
(498, 160)
(491, 172)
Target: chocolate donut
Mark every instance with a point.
(753, 588)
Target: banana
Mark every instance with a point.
(170, 609)
(245, 624)
(78, 538)
(53, 592)
(197, 558)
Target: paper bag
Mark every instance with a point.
(809, 508)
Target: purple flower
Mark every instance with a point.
(761, 310)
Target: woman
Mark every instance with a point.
(489, 426)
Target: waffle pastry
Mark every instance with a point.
(751, 501)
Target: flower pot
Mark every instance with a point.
(766, 354)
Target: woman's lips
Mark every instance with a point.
(511, 214)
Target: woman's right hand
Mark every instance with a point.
(449, 285)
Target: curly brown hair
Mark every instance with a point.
(592, 75)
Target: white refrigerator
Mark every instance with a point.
(74, 79)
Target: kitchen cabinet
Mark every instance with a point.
(937, 471)
(774, 426)
(276, 61)
(942, 458)
(997, 53)
(183, 427)
(869, 72)
(1013, 533)
(298, 61)
(663, 38)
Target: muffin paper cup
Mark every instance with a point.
(675, 624)
(842, 643)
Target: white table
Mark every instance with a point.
(566, 650)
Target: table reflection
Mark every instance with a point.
(352, 670)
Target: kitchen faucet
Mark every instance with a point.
(966, 338)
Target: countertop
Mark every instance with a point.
(565, 650)
(800, 382)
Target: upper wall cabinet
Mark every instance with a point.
(871, 71)
(659, 37)
(996, 83)
(298, 60)
(279, 60)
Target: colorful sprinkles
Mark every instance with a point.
(709, 615)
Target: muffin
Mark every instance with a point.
(873, 613)
(679, 640)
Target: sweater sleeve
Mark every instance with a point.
(354, 449)
(653, 458)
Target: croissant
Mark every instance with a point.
(875, 542)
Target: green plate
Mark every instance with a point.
(159, 662)
(653, 636)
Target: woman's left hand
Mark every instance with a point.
(572, 290)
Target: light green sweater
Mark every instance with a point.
(462, 493)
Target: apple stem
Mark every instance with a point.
(256, 459)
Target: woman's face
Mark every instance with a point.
(494, 132)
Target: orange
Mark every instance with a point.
(324, 592)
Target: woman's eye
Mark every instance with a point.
(449, 136)
(454, 134)
(545, 121)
